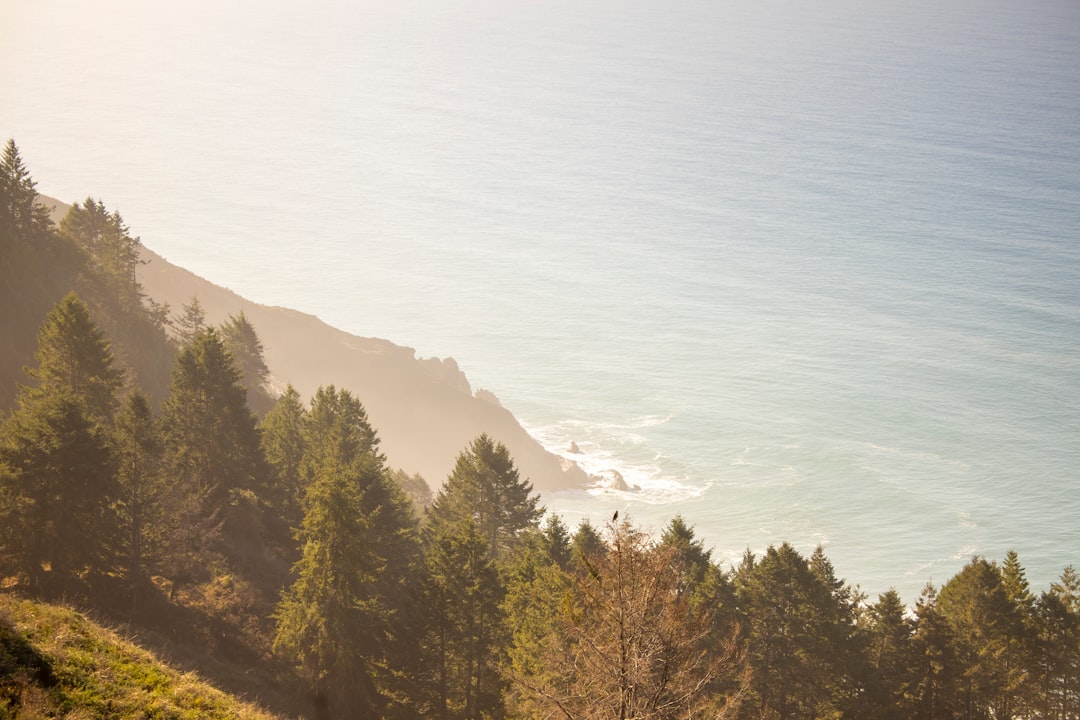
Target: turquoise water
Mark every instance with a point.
(804, 274)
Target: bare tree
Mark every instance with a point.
(631, 641)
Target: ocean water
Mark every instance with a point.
(802, 272)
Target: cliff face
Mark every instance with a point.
(423, 408)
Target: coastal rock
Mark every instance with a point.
(574, 448)
(613, 480)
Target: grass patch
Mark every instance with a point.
(55, 662)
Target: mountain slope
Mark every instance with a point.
(424, 409)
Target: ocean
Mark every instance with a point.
(804, 272)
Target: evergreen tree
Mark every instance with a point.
(1020, 636)
(975, 607)
(585, 544)
(247, 351)
(211, 450)
(1057, 671)
(142, 509)
(20, 215)
(58, 490)
(350, 492)
(415, 487)
(75, 359)
(113, 253)
(537, 584)
(190, 322)
(281, 437)
(59, 469)
(464, 622)
(935, 689)
(329, 619)
(484, 498)
(556, 539)
(889, 657)
(486, 486)
(796, 641)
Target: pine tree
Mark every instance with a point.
(464, 622)
(1020, 633)
(190, 323)
(329, 619)
(935, 690)
(141, 504)
(358, 554)
(974, 605)
(536, 585)
(797, 632)
(20, 215)
(484, 500)
(889, 658)
(486, 486)
(1058, 668)
(59, 468)
(247, 351)
(211, 451)
(58, 492)
(281, 437)
(113, 252)
(75, 359)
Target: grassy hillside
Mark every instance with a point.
(54, 662)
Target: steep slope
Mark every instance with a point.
(56, 662)
(424, 409)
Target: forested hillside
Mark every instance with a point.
(282, 556)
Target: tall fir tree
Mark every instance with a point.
(281, 437)
(74, 358)
(113, 253)
(358, 552)
(190, 322)
(247, 351)
(20, 214)
(58, 493)
(1057, 671)
(211, 450)
(486, 486)
(142, 507)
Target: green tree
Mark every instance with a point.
(20, 215)
(486, 487)
(464, 622)
(211, 450)
(934, 692)
(797, 638)
(138, 448)
(1020, 636)
(190, 322)
(58, 490)
(415, 487)
(113, 252)
(281, 437)
(247, 351)
(75, 359)
(1058, 667)
(359, 544)
(888, 634)
(329, 619)
(585, 543)
(974, 605)
(537, 583)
